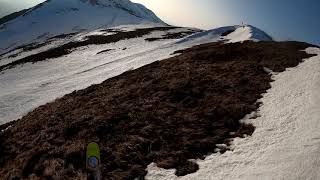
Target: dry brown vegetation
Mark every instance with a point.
(175, 35)
(165, 112)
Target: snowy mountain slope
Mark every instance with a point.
(55, 17)
(30, 85)
(285, 144)
(227, 34)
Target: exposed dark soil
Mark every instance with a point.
(25, 47)
(104, 51)
(175, 35)
(32, 46)
(94, 39)
(61, 36)
(5, 126)
(228, 32)
(166, 112)
(111, 30)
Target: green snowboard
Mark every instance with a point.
(93, 161)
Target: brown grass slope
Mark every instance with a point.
(175, 35)
(166, 112)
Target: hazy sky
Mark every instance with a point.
(9, 6)
(283, 19)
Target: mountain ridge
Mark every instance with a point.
(12, 16)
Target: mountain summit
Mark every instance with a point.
(231, 34)
(55, 17)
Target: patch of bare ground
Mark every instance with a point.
(228, 32)
(104, 51)
(94, 39)
(176, 35)
(26, 47)
(111, 30)
(166, 112)
(32, 46)
(61, 36)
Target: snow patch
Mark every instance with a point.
(285, 144)
(267, 70)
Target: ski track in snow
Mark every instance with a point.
(286, 142)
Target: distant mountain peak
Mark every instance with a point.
(231, 34)
(54, 17)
